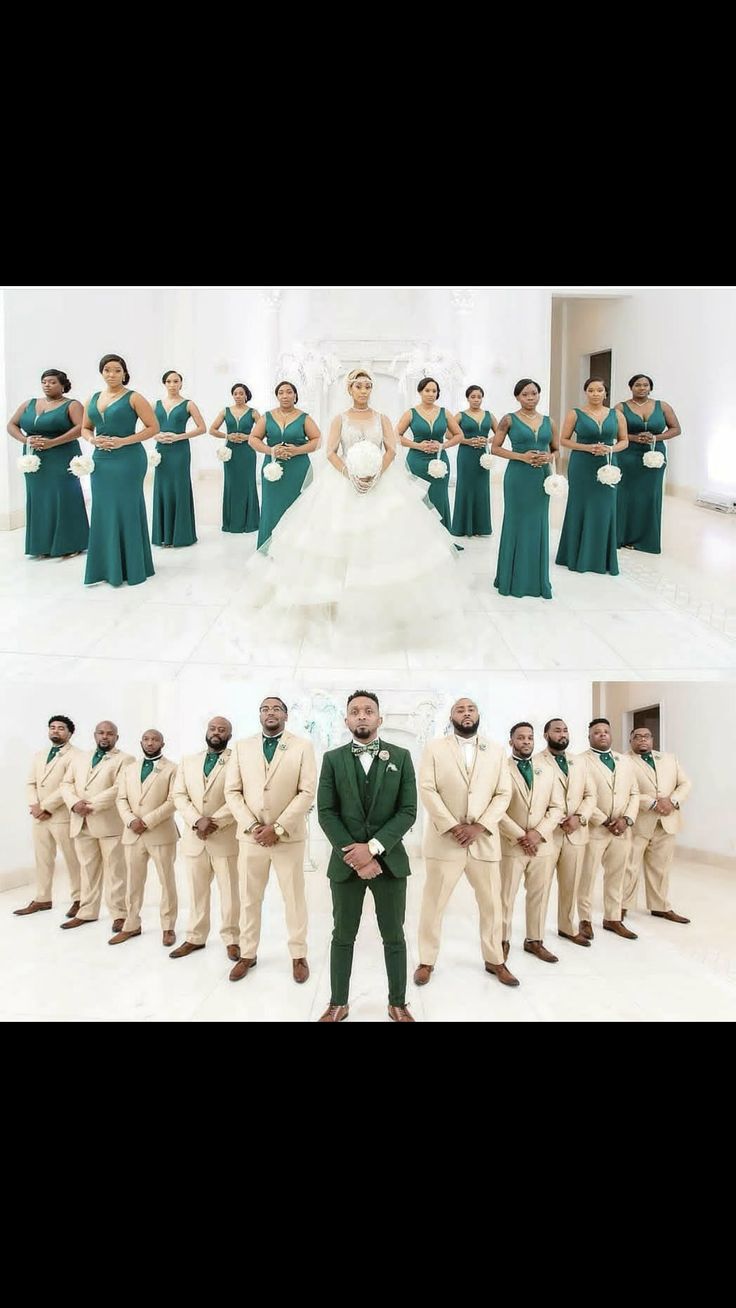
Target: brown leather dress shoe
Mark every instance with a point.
(242, 968)
(586, 929)
(77, 921)
(122, 936)
(423, 973)
(118, 924)
(502, 972)
(35, 906)
(168, 939)
(185, 949)
(335, 1013)
(506, 945)
(233, 953)
(300, 970)
(670, 915)
(72, 912)
(536, 947)
(619, 929)
(579, 939)
(399, 1013)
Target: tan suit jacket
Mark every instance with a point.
(99, 787)
(450, 795)
(281, 791)
(197, 796)
(616, 793)
(577, 790)
(541, 808)
(668, 782)
(153, 801)
(44, 783)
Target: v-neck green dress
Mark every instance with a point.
(523, 554)
(417, 462)
(278, 496)
(119, 543)
(56, 518)
(240, 512)
(173, 498)
(639, 508)
(471, 514)
(588, 539)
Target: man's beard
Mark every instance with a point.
(465, 731)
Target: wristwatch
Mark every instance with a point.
(280, 831)
(582, 820)
(629, 821)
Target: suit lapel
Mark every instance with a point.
(458, 755)
(381, 764)
(349, 772)
(281, 748)
(48, 766)
(558, 770)
(144, 787)
(219, 765)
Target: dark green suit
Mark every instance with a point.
(355, 807)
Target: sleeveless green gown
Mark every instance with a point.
(471, 514)
(523, 554)
(639, 509)
(56, 518)
(417, 462)
(588, 539)
(240, 512)
(119, 544)
(278, 496)
(173, 499)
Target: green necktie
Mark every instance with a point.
(146, 768)
(561, 762)
(98, 755)
(373, 748)
(648, 759)
(210, 762)
(53, 752)
(269, 747)
(525, 769)
(608, 760)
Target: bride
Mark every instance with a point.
(361, 552)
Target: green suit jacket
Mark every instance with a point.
(392, 811)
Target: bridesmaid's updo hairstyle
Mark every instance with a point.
(60, 376)
(278, 386)
(470, 390)
(639, 376)
(522, 385)
(600, 381)
(353, 376)
(248, 391)
(425, 382)
(116, 358)
(168, 374)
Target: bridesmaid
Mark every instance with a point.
(588, 539)
(119, 544)
(471, 515)
(56, 519)
(523, 555)
(428, 425)
(639, 510)
(288, 435)
(173, 500)
(240, 512)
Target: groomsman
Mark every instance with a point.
(51, 817)
(270, 784)
(571, 835)
(367, 801)
(90, 789)
(465, 786)
(145, 803)
(616, 809)
(527, 840)
(208, 842)
(663, 787)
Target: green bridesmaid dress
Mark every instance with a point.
(471, 515)
(278, 496)
(119, 544)
(588, 539)
(523, 554)
(639, 510)
(173, 500)
(240, 512)
(56, 519)
(417, 462)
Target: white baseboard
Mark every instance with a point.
(22, 876)
(706, 856)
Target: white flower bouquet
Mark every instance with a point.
(154, 458)
(364, 459)
(224, 453)
(437, 468)
(28, 463)
(609, 474)
(81, 465)
(486, 460)
(273, 471)
(653, 458)
(556, 485)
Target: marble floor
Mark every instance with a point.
(672, 973)
(671, 616)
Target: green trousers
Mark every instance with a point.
(389, 893)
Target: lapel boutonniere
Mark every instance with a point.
(281, 746)
(537, 772)
(481, 744)
(384, 755)
(221, 761)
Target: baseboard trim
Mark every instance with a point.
(727, 861)
(24, 876)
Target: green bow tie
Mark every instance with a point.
(53, 752)
(97, 757)
(607, 758)
(210, 762)
(146, 768)
(648, 759)
(373, 748)
(561, 762)
(525, 769)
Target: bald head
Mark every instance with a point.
(465, 717)
(152, 742)
(219, 731)
(106, 735)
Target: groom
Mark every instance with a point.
(366, 803)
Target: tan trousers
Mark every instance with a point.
(101, 859)
(200, 871)
(569, 860)
(46, 840)
(136, 862)
(254, 865)
(656, 855)
(442, 877)
(612, 852)
(537, 873)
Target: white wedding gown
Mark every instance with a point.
(378, 566)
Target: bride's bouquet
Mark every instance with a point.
(609, 474)
(81, 465)
(363, 462)
(653, 458)
(28, 463)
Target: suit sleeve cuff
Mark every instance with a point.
(375, 847)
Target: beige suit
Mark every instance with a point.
(579, 798)
(44, 788)
(616, 795)
(654, 834)
(540, 808)
(97, 836)
(153, 801)
(196, 796)
(280, 791)
(451, 794)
